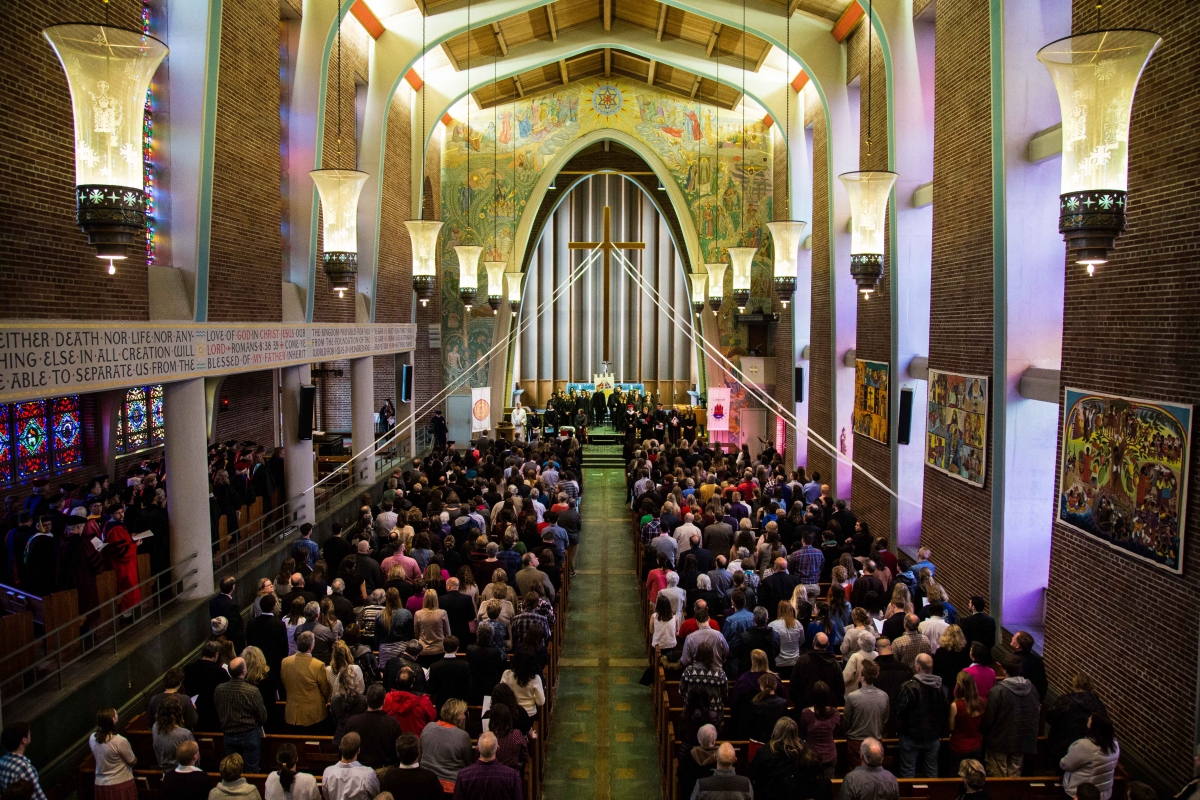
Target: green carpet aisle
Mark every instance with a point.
(602, 743)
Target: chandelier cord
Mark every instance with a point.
(469, 227)
(339, 83)
(495, 149)
(743, 101)
(870, 26)
(1098, 4)
(787, 116)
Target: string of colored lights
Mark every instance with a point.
(148, 150)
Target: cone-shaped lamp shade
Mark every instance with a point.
(468, 272)
(424, 236)
(716, 284)
(514, 291)
(108, 71)
(1096, 75)
(868, 192)
(339, 190)
(495, 283)
(741, 258)
(699, 290)
(785, 236)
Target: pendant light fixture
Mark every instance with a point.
(423, 232)
(716, 284)
(339, 190)
(514, 291)
(108, 73)
(869, 191)
(468, 255)
(1095, 75)
(699, 283)
(785, 234)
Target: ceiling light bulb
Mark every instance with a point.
(112, 268)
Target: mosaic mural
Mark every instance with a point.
(871, 399)
(1124, 473)
(511, 145)
(956, 425)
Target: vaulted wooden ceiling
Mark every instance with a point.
(494, 40)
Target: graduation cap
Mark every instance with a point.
(40, 483)
(231, 443)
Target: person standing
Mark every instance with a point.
(114, 759)
(1010, 722)
(921, 709)
(349, 779)
(187, 781)
(120, 553)
(440, 429)
(870, 781)
(866, 713)
(410, 780)
(243, 713)
(487, 778)
(223, 605)
(376, 730)
(14, 764)
(307, 686)
(725, 783)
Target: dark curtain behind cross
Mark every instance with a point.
(564, 341)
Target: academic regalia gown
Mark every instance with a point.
(120, 553)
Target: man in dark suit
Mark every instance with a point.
(779, 585)
(298, 590)
(223, 605)
(410, 780)
(450, 677)
(378, 730)
(979, 627)
(200, 680)
(818, 665)
(268, 633)
(704, 559)
(461, 611)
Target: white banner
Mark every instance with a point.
(481, 409)
(604, 382)
(718, 408)
(45, 359)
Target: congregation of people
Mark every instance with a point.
(755, 575)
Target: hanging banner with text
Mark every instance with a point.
(45, 359)
(718, 408)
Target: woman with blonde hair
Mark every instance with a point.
(466, 582)
(258, 675)
(114, 759)
(431, 625)
(952, 656)
(791, 637)
(861, 625)
(435, 578)
(342, 660)
(899, 607)
(168, 732)
(499, 589)
(346, 701)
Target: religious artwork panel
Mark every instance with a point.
(956, 425)
(1123, 473)
(33, 439)
(491, 165)
(6, 459)
(871, 399)
(68, 441)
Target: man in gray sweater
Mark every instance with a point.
(866, 713)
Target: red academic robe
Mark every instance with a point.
(121, 556)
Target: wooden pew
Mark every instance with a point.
(17, 632)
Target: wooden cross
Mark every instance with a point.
(608, 245)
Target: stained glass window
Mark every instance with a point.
(6, 461)
(68, 439)
(141, 420)
(38, 437)
(33, 440)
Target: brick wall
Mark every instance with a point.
(1149, 345)
(327, 306)
(50, 271)
(245, 263)
(872, 504)
(333, 412)
(427, 364)
(249, 414)
(820, 381)
(781, 336)
(956, 520)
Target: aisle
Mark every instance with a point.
(602, 743)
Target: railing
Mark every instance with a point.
(73, 643)
(272, 527)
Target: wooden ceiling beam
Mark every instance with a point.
(517, 85)
(762, 57)
(608, 14)
(562, 69)
(793, 6)
(712, 39)
(421, 8)
(695, 88)
(499, 34)
(662, 19)
(450, 55)
(607, 62)
(653, 68)
(552, 22)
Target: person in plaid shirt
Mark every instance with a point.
(527, 619)
(806, 562)
(15, 765)
(912, 643)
